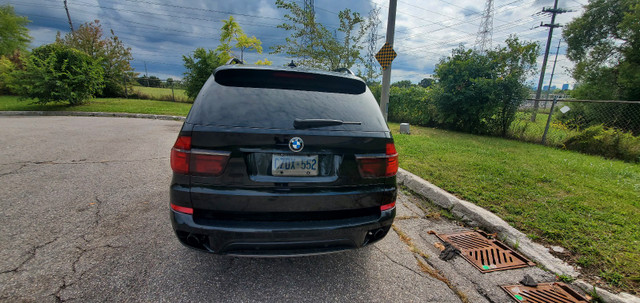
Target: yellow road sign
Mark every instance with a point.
(385, 55)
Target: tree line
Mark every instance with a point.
(471, 91)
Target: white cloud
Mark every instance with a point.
(425, 30)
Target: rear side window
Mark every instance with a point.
(266, 99)
(289, 80)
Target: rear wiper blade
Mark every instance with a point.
(307, 123)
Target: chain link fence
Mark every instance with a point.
(590, 126)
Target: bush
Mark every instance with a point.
(57, 73)
(6, 75)
(616, 115)
(412, 104)
(480, 92)
(610, 143)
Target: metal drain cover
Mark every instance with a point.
(544, 292)
(484, 253)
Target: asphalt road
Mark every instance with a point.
(84, 217)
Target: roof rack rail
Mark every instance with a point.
(234, 61)
(344, 70)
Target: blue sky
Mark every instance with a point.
(159, 32)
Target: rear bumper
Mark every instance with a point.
(250, 238)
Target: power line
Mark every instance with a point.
(456, 39)
(459, 23)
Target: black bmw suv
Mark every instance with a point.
(282, 161)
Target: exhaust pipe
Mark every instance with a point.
(378, 234)
(193, 240)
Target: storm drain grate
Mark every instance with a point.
(484, 253)
(544, 292)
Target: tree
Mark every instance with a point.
(402, 84)
(199, 67)
(7, 78)
(57, 73)
(514, 63)
(14, 35)
(605, 45)
(480, 93)
(111, 52)
(314, 45)
(426, 82)
(231, 31)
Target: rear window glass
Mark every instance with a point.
(289, 80)
(277, 108)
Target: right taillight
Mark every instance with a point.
(374, 166)
(185, 160)
(208, 163)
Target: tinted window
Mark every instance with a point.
(277, 108)
(289, 80)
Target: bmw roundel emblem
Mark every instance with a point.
(296, 144)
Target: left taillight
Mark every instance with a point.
(180, 155)
(377, 166)
(185, 160)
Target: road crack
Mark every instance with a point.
(74, 162)
(98, 215)
(398, 263)
(70, 279)
(31, 254)
(14, 171)
(428, 267)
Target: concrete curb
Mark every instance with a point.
(90, 114)
(478, 216)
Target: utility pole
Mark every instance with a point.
(386, 73)
(553, 70)
(124, 82)
(68, 16)
(146, 75)
(554, 11)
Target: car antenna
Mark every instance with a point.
(291, 64)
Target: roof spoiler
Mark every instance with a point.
(234, 61)
(344, 70)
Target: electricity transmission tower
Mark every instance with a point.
(372, 44)
(309, 8)
(485, 32)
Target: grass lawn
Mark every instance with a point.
(162, 93)
(524, 130)
(586, 204)
(10, 103)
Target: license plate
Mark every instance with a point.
(294, 165)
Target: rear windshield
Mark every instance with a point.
(276, 104)
(289, 80)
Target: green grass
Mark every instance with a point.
(11, 103)
(157, 93)
(523, 129)
(587, 204)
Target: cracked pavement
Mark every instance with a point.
(84, 217)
